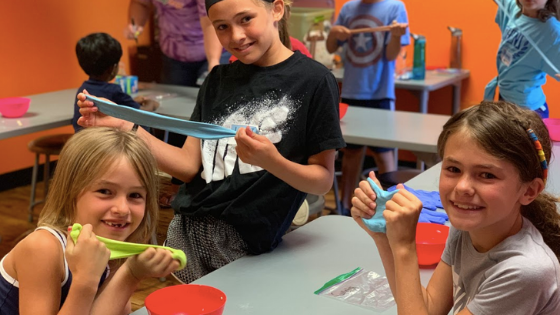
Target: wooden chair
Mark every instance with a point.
(47, 145)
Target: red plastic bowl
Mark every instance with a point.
(430, 242)
(13, 107)
(183, 299)
(553, 126)
(342, 109)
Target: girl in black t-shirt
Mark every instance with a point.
(241, 194)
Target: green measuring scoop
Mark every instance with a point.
(124, 249)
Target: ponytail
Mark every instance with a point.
(283, 26)
(544, 216)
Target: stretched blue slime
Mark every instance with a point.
(377, 223)
(188, 128)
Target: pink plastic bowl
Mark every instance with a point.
(183, 299)
(13, 107)
(342, 109)
(430, 242)
(553, 125)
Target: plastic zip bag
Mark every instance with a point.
(360, 287)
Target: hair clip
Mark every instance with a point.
(540, 153)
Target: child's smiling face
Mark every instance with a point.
(479, 191)
(114, 204)
(246, 28)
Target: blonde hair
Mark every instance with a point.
(500, 128)
(83, 160)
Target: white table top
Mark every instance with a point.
(46, 111)
(283, 281)
(54, 109)
(404, 130)
(359, 126)
(177, 101)
(434, 79)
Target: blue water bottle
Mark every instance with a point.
(419, 62)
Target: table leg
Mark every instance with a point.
(425, 159)
(456, 97)
(423, 97)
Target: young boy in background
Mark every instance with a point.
(369, 68)
(99, 55)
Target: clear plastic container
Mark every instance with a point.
(301, 20)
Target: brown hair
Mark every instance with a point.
(551, 8)
(83, 159)
(283, 25)
(501, 129)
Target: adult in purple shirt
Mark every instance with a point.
(186, 37)
(189, 45)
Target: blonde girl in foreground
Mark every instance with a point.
(105, 180)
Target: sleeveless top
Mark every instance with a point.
(9, 287)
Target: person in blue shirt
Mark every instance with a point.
(521, 69)
(369, 70)
(99, 55)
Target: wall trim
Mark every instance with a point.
(22, 177)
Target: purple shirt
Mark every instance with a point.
(180, 33)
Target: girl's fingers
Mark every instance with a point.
(149, 253)
(364, 203)
(367, 190)
(174, 266)
(391, 205)
(365, 198)
(400, 199)
(405, 197)
(374, 178)
(357, 212)
(359, 204)
(249, 132)
(69, 243)
(241, 136)
(86, 232)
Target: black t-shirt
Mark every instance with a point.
(295, 105)
(104, 89)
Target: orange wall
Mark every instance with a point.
(37, 54)
(481, 38)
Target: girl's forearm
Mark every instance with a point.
(80, 298)
(386, 255)
(177, 162)
(312, 179)
(115, 296)
(409, 291)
